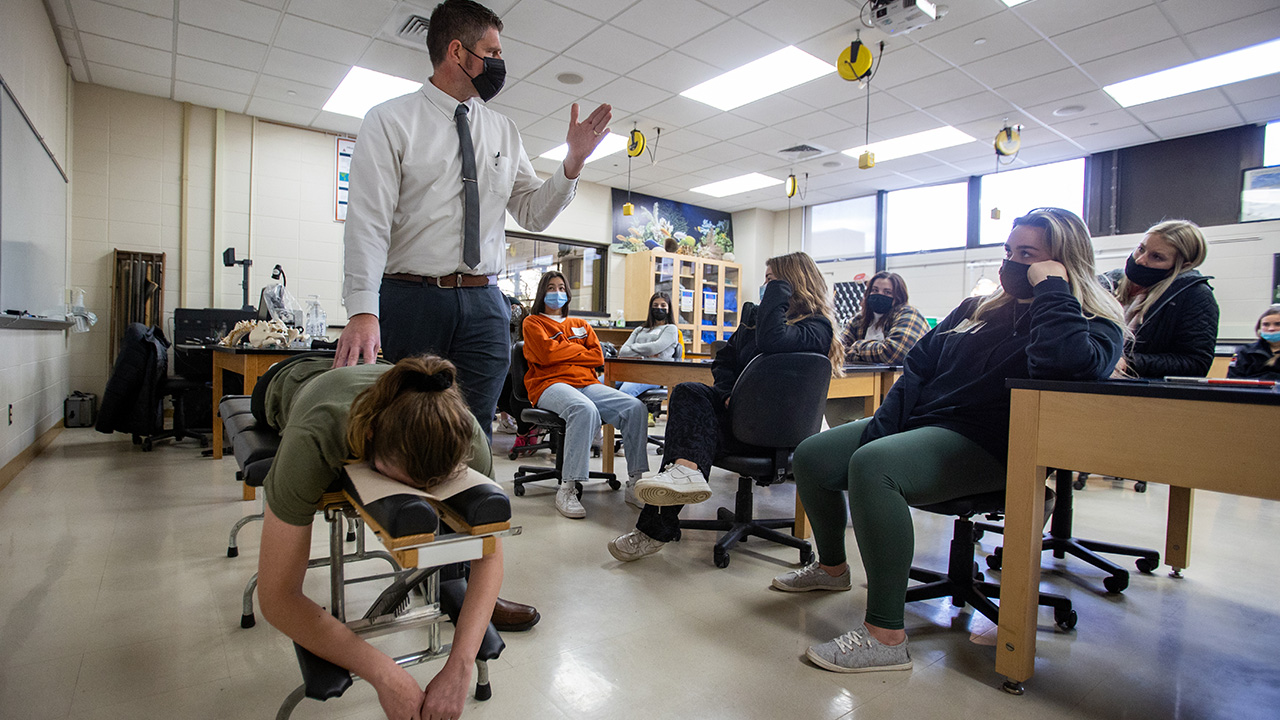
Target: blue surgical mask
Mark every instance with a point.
(1270, 337)
(556, 300)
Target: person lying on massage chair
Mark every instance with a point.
(410, 423)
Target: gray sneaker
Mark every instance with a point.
(856, 651)
(812, 577)
(629, 495)
(633, 546)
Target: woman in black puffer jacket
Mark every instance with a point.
(1261, 360)
(1168, 305)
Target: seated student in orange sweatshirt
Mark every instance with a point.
(563, 355)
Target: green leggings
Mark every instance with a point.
(884, 479)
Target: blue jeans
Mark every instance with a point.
(583, 409)
(634, 389)
(466, 326)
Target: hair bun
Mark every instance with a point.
(435, 382)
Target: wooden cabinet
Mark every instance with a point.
(705, 294)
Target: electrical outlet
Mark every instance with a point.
(10, 413)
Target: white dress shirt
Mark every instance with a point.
(404, 208)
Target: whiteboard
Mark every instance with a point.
(33, 217)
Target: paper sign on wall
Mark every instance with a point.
(345, 147)
(686, 300)
(709, 302)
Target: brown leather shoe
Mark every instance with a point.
(513, 617)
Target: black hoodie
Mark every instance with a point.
(957, 380)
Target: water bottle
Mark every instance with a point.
(317, 322)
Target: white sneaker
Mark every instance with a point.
(633, 546)
(677, 485)
(812, 577)
(506, 424)
(567, 503)
(629, 495)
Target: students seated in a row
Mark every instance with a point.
(1259, 360)
(1168, 305)
(564, 357)
(657, 338)
(794, 315)
(410, 423)
(882, 332)
(942, 432)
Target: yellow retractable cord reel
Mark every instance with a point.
(635, 147)
(1007, 144)
(855, 65)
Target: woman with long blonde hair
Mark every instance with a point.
(1168, 305)
(794, 315)
(942, 431)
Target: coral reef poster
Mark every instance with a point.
(668, 225)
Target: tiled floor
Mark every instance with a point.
(117, 601)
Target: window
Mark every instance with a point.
(1271, 144)
(842, 229)
(1017, 191)
(529, 256)
(927, 218)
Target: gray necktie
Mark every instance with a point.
(471, 195)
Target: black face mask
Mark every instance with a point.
(1144, 276)
(490, 80)
(659, 314)
(879, 304)
(1013, 279)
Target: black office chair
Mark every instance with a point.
(133, 401)
(1060, 542)
(962, 581)
(554, 425)
(776, 403)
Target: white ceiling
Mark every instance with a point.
(983, 62)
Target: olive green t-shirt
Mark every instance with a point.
(309, 401)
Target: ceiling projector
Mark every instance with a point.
(898, 17)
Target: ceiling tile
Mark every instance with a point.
(128, 56)
(772, 110)
(337, 123)
(1193, 15)
(304, 68)
(827, 91)
(522, 118)
(123, 24)
(276, 4)
(129, 80)
(521, 58)
(1194, 123)
(999, 33)
(779, 18)
(546, 25)
(209, 97)
(1236, 34)
(1113, 139)
(1093, 124)
(615, 50)
(1056, 17)
(678, 112)
(203, 72)
(627, 93)
(731, 45)
(364, 17)
(61, 15)
(209, 45)
(281, 112)
(1138, 62)
(601, 9)
(318, 40)
(1210, 99)
(725, 126)
(681, 141)
(535, 146)
(274, 88)
(159, 8)
(1024, 62)
(397, 60)
(592, 77)
(232, 17)
(1260, 111)
(1139, 28)
(938, 88)
(70, 41)
(1094, 103)
(674, 71)
(1255, 89)
(904, 64)
(970, 108)
(534, 98)
(883, 105)
(813, 124)
(1046, 88)
(694, 20)
(899, 125)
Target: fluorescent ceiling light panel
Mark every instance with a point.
(1244, 64)
(733, 186)
(761, 78)
(1011, 3)
(914, 144)
(362, 88)
(610, 144)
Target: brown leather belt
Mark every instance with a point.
(445, 281)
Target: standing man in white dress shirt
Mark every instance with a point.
(414, 281)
